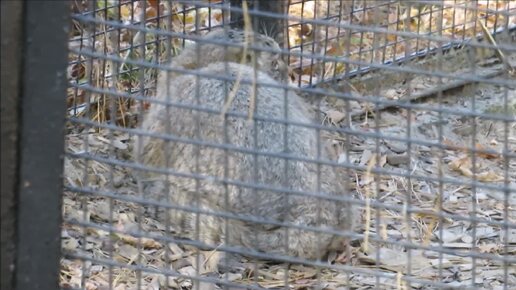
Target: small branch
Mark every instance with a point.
(498, 52)
(428, 93)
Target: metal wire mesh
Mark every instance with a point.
(398, 115)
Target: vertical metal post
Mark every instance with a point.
(11, 17)
(274, 27)
(33, 117)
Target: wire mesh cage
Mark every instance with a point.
(314, 144)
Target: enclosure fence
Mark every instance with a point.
(302, 144)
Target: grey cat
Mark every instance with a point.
(270, 217)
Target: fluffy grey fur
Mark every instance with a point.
(242, 167)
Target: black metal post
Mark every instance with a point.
(34, 58)
(11, 18)
(274, 27)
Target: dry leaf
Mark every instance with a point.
(70, 244)
(335, 116)
(154, 3)
(151, 12)
(463, 165)
(485, 155)
(489, 176)
(128, 252)
(146, 243)
(125, 12)
(450, 145)
(489, 248)
(395, 260)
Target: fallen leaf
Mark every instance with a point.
(489, 176)
(486, 155)
(146, 243)
(489, 248)
(395, 260)
(335, 116)
(463, 165)
(128, 252)
(150, 12)
(154, 3)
